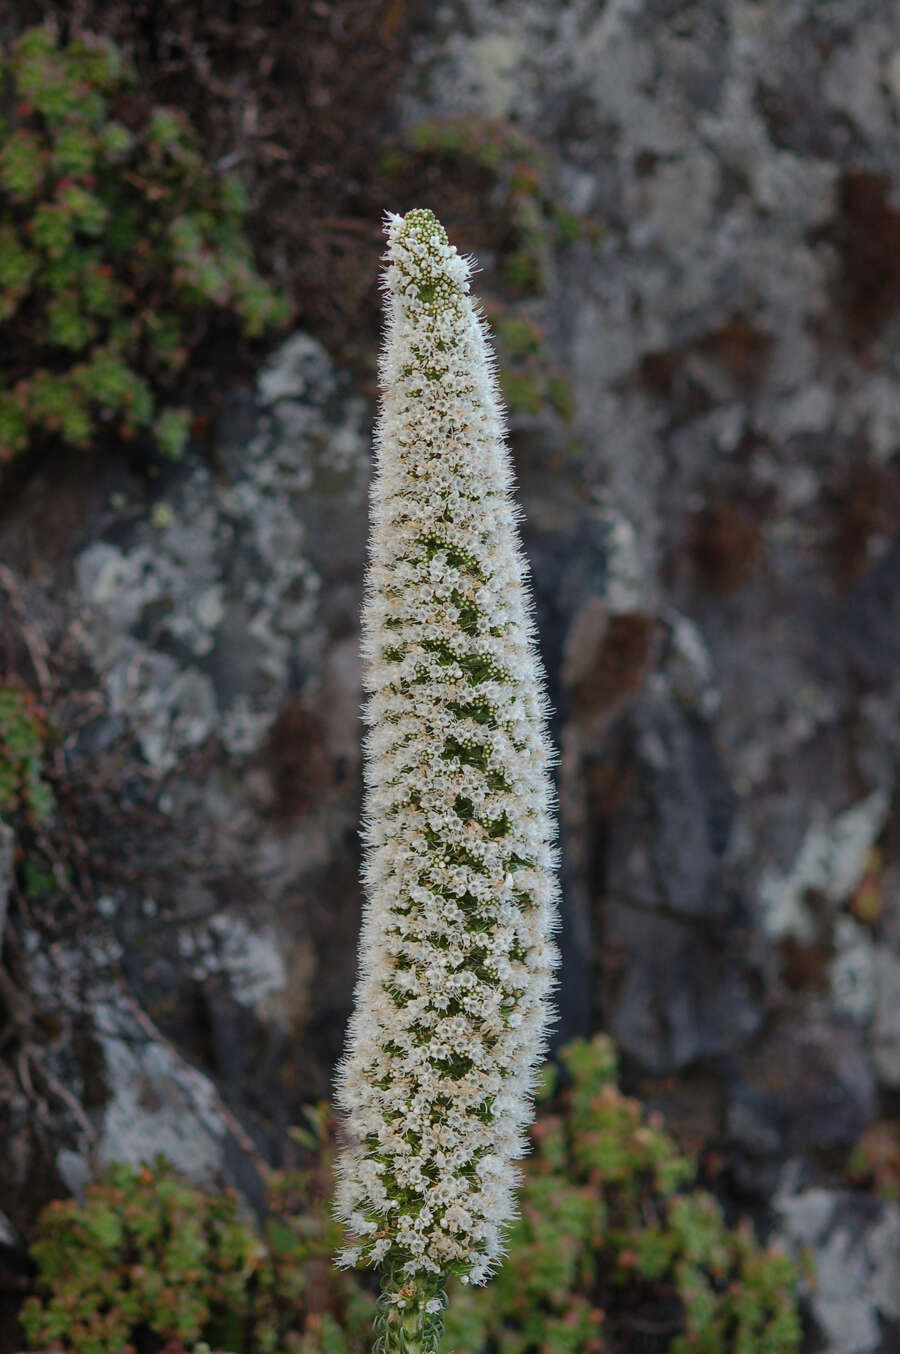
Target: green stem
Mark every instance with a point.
(409, 1329)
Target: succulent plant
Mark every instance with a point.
(117, 246)
(615, 1249)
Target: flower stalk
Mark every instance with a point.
(456, 955)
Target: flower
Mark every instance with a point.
(456, 954)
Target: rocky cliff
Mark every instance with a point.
(714, 541)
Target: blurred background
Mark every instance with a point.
(686, 219)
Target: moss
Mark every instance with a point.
(530, 383)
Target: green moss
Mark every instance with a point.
(26, 800)
(13, 425)
(37, 877)
(524, 271)
(22, 165)
(521, 178)
(108, 237)
(530, 384)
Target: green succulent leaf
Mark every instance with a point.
(75, 150)
(22, 166)
(172, 428)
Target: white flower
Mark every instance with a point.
(456, 956)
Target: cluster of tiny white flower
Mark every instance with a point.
(456, 955)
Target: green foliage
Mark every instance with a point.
(523, 188)
(528, 381)
(613, 1240)
(513, 183)
(117, 246)
(875, 1160)
(23, 734)
(149, 1259)
(26, 799)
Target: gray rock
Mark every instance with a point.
(7, 846)
(829, 863)
(689, 802)
(157, 1103)
(852, 972)
(201, 623)
(757, 1123)
(855, 1245)
(218, 747)
(886, 1022)
(681, 997)
(814, 1081)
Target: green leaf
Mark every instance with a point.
(87, 213)
(67, 324)
(171, 429)
(13, 427)
(51, 229)
(75, 150)
(22, 166)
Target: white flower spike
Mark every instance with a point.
(456, 955)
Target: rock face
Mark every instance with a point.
(856, 1244)
(209, 697)
(717, 578)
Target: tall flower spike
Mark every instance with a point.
(456, 959)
